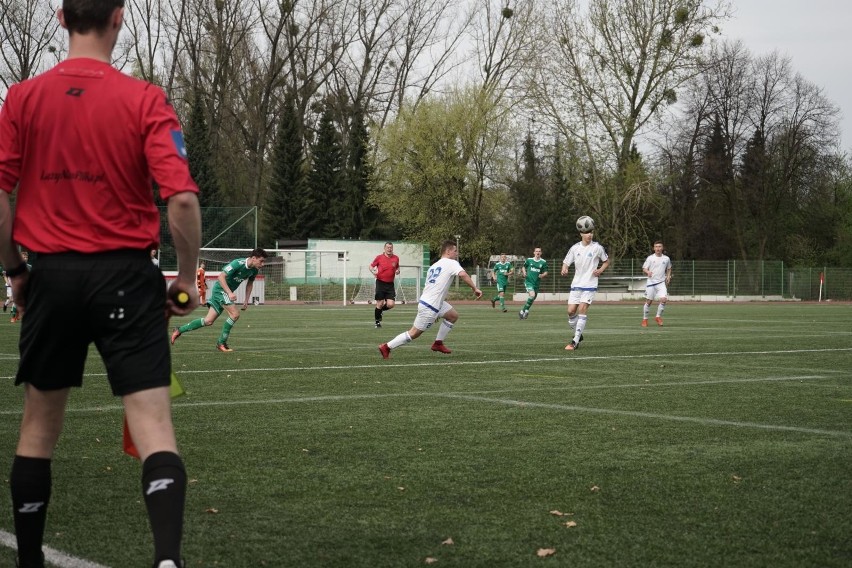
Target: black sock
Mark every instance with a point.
(378, 314)
(164, 490)
(30, 482)
(385, 308)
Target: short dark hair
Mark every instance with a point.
(658, 243)
(83, 16)
(259, 252)
(445, 246)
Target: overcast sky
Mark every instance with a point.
(816, 34)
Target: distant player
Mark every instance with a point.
(502, 271)
(223, 294)
(201, 283)
(385, 267)
(590, 260)
(432, 305)
(533, 270)
(658, 268)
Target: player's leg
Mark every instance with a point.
(212, 313)
(583, 299)
(380, 297)
(531, 295)
(233, 316)
(449, 318)
(149, 420)
(30, 479)
(660, 309)
(646, 308)
(423, 321)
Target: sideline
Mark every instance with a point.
(51, 555)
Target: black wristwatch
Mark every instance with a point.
(18, 270)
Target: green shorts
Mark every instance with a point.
(218, 299)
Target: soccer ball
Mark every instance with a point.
(585, 224)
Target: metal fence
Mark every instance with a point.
(705, 278)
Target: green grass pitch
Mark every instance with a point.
(721, 439)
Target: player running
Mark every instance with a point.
(223, 294)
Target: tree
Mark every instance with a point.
(287, 187)
(439, 170)
(200, 154)
(330, 215)
(30, 33)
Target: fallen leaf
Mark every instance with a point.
(736, 478)
(305, 450)
(570, 524)
(557, 513)
(595, 489)
(191, 481)
(448, 541)
(401, 488)
(430, 560)
(211, 510)
(545, 552)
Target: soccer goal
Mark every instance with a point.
(407, 285)
(308, 276)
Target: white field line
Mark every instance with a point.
(52, 556)
(447, 363)
(652, 415)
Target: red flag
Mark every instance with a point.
(175, 390)
(129, 446)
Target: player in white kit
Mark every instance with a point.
(658, 268)
(590, 260)
(431, 305)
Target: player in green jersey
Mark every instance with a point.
(533, 270)
(502, 271)
(223, 295)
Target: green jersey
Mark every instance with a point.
(534, 268)
(501, 271)
(236, 272)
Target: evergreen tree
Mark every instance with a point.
(328, 209)
(287, 187)
(718, 206)
(200, 154)
(529, 194)
(358, 174)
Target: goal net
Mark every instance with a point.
(308, 276)
(407, 285)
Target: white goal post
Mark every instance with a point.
(407, 284)
(288, 275)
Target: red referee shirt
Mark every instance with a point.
(388, 266)
(82, 143)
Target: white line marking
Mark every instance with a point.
(446, 363)
(53, 556)
(636, 414)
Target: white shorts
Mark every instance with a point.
(656, 291)
(581, 296)
(426, 316)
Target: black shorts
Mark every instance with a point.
(116, 300)
(385, 290)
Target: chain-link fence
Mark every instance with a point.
(704, 278)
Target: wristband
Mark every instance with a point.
(18, 270)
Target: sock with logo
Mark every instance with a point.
(378, 313)
(660, 308)
(194, 324)
(226, 330)
(164, 490)
(30, 482)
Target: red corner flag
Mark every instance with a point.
(175, 390)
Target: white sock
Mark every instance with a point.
(444, 330)
(660, 309)
(645, 311)
(399, 340)
(581, 325)
(572, 321)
